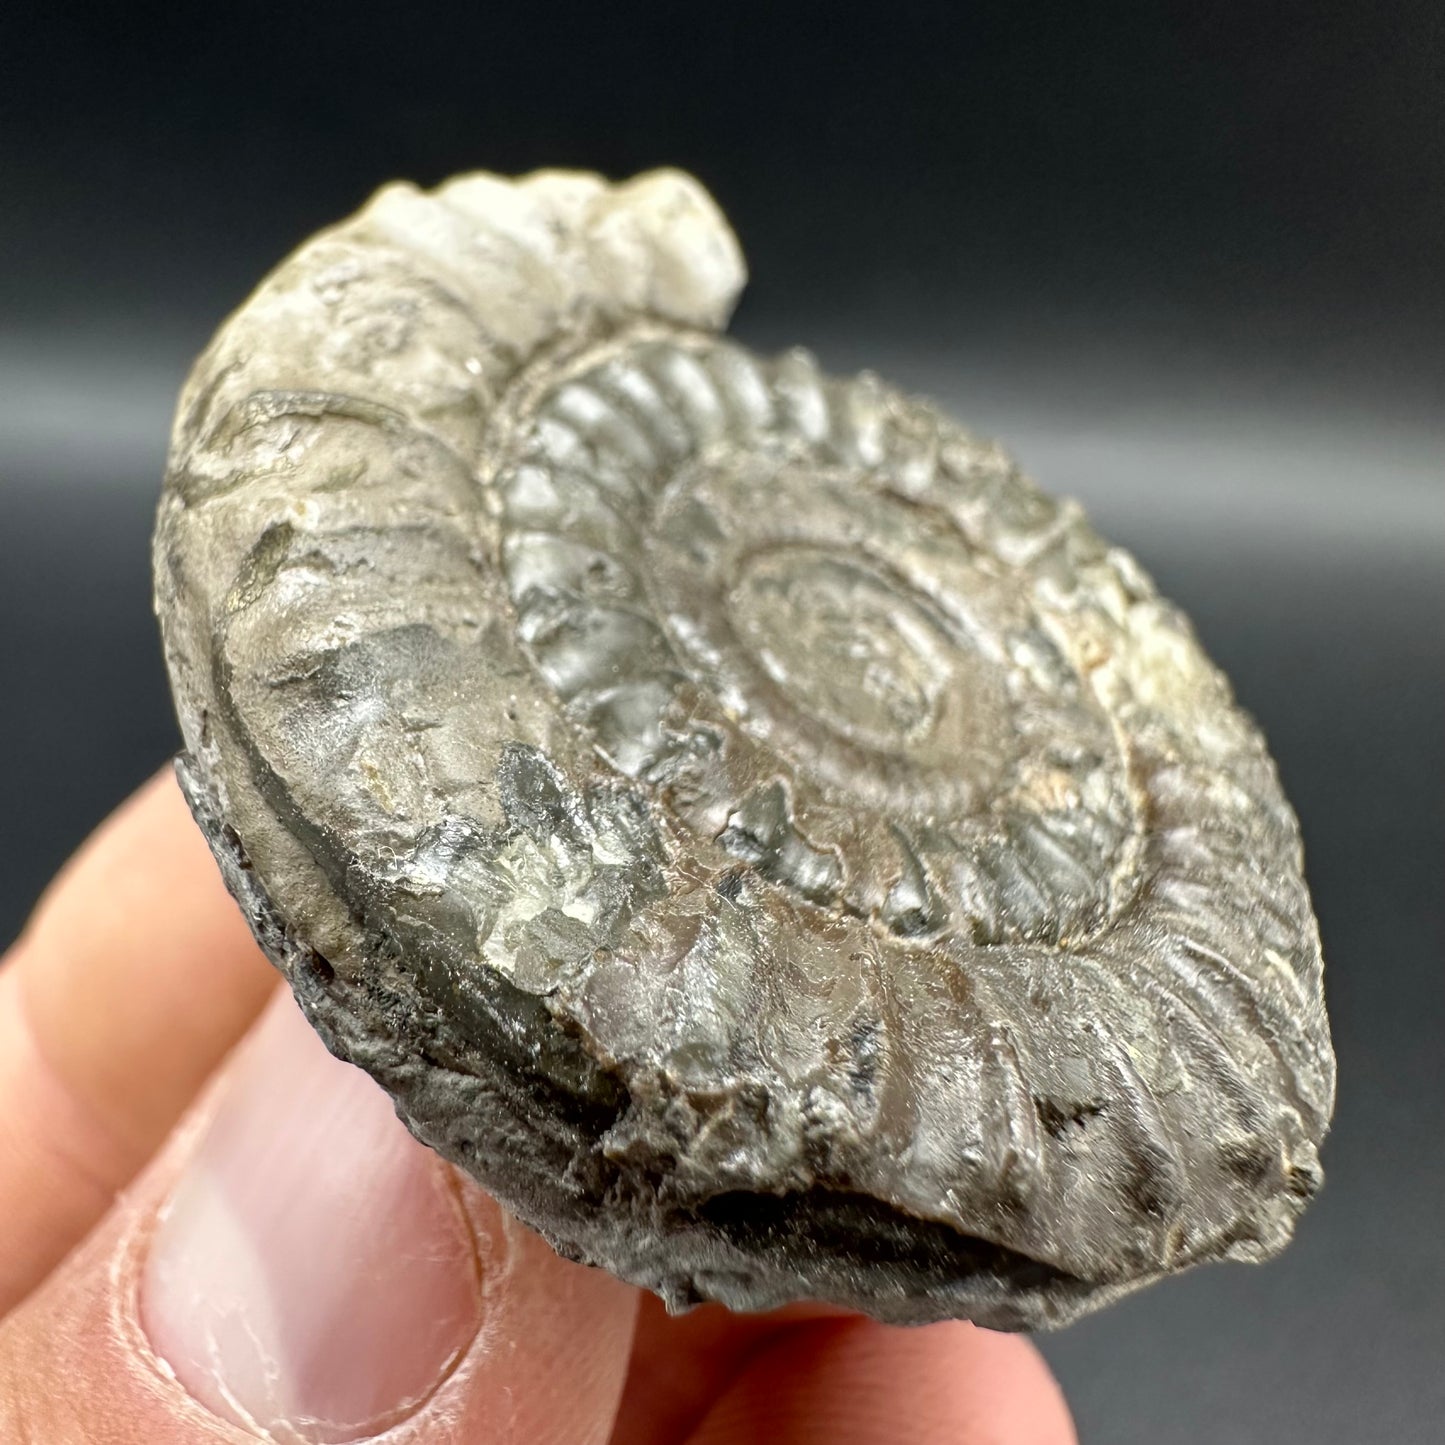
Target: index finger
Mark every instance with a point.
(134, 977)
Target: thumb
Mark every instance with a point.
(296, 1268)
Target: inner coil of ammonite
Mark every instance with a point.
(772, 845)
(771, 599)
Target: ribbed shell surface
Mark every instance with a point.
(771, 844)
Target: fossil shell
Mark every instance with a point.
(773, 846)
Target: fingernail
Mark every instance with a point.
(313, 1277)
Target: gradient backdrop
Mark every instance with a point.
(1185, 259)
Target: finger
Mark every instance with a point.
(133, 978)
(294, 1267)
(856, 1382)
(682, 1363)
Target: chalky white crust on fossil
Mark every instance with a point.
(774, 847)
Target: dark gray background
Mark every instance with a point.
(1186, 259)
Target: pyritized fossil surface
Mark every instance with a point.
(769, 843)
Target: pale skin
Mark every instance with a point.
(107, 1049)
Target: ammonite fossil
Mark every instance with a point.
(742, 821)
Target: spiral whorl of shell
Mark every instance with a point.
(771, 844)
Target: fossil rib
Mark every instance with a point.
(773, 846)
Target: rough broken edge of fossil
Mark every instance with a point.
(750, 1253)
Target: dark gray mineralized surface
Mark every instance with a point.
(774, 847)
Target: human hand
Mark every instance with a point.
(291, 1266)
